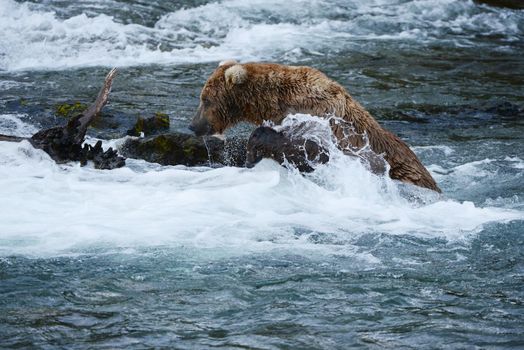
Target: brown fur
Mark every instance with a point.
(257, 92)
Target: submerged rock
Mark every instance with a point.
(185, 149)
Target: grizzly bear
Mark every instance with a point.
(258, 92)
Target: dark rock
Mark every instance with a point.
(185, 149)
(150, 126)
(303, 154)
(23, 105)
(266, 142)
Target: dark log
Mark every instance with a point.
(64, 143)
(8, 138)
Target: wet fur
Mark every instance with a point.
(272, 91)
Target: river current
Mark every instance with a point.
(152, 256)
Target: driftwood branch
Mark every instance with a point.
(64, 143)
(8, 138)
(82, 121)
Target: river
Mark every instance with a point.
(152, 256)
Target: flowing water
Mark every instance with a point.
(151, 256)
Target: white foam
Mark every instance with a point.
(446, 150)
(516, 162)
(12, 124)
(36, 38)
(49, 209)
(465, 174)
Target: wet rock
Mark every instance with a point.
(266, 142)
(185, 149)
(301, 153)
(32, 111)
(150, 126)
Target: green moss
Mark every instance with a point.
(162, 119)
(162, 144)
(176, 148)
(188, 150)
(139, 126)
(149, 126)
(68, 110)
(193, 149)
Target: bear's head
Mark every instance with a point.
(221, 99)
(255, 92)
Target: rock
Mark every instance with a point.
(150, 126)
(184, 149)
(303, 154)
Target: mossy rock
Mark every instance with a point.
(169, 149)
(185, 149)
(150, 126)
(68, 110)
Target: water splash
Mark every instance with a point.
(12, 124)
(35, 37)
(50, 209)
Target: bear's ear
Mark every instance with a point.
(227, 63)
(235, 75)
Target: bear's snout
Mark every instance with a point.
(199, 125)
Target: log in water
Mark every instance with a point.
(153, 256)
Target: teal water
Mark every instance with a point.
(173, 257)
